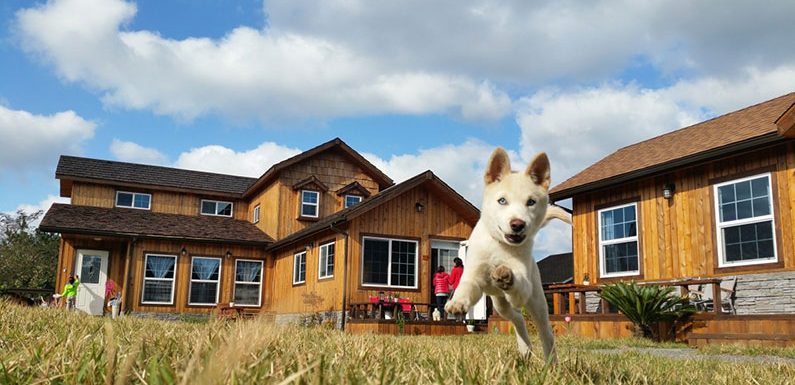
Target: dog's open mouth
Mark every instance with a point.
(514, 238)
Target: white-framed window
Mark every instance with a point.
(351, 200)
(248, 282)
(299, 268)
(159, 273)
(389, 262)
(326, 261)
(255, 215)
(310, 202)
(133, 200)
(219, 208)
(205, 279)
(618, 241)
(745, 221)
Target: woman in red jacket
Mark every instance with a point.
(455, 278)
(441, 287)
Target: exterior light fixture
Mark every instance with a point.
(184, 251)
(419, 207)
(668, 190)
(228, 254)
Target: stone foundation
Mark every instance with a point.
(766, 293)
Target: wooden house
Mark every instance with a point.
(313, 234)
(715, 199)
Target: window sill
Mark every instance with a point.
(308, 219)
(751, 267)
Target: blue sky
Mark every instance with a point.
(234, 86)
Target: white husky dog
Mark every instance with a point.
(500, 261)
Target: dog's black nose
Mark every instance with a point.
(517, 225)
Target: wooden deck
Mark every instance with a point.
(426, 328)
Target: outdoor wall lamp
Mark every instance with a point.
(668, 190)
(228, 254)
(184, 251)
(419, 207)
(309, 245)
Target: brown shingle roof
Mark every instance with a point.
(382, 179)
(726, 132)
(72, 167)
(470, 212)
(64, 218)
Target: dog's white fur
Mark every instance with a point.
(499, 259)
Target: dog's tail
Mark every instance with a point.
(556, 212)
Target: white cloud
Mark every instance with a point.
(220, 159)
(43, 205)
(577, 127)
(264, 74)
(32, 141)
(133, 152)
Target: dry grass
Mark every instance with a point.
(47, 346)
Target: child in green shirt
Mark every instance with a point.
(70, 292)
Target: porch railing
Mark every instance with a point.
(570, 299)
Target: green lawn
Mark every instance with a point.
(56, 347)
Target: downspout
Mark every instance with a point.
(344, 274)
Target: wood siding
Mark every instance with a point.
(182, 283)
(677, 237)
(334, 170)
(90, 194)
(394, 219)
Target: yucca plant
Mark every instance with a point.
(647, 305)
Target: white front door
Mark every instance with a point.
(92, 268)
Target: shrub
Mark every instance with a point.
(647, 305)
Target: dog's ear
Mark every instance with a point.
(499, 166)
(538, 169)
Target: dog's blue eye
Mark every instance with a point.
(502, 201)
(531, 202)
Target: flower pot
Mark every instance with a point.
(471, 328)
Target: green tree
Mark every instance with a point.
(28, 257)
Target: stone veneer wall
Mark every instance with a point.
(761, 293)
(766, 293)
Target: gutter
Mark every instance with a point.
(344, 274)
(732, 149)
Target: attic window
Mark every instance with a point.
(217, 208)
(351, 200)
(133, 200)
(310, 202)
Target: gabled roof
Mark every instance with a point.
(310, 181)
(786, 122)
(336, 143)
(556, 268)
(142, 175)
(470, 212)
(354, 187)
(746, 128)
(89, 220)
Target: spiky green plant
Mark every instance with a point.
(647, 305)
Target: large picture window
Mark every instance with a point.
(248, 282)
(205, 276)
(219, 208)
(159, 273)
(326, 261)
(310, 202)
(299, 268)
(745, 222)
(133, 200)
(389, 262)
(618, 241)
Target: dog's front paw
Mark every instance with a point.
(502, 277)
(457, 306)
